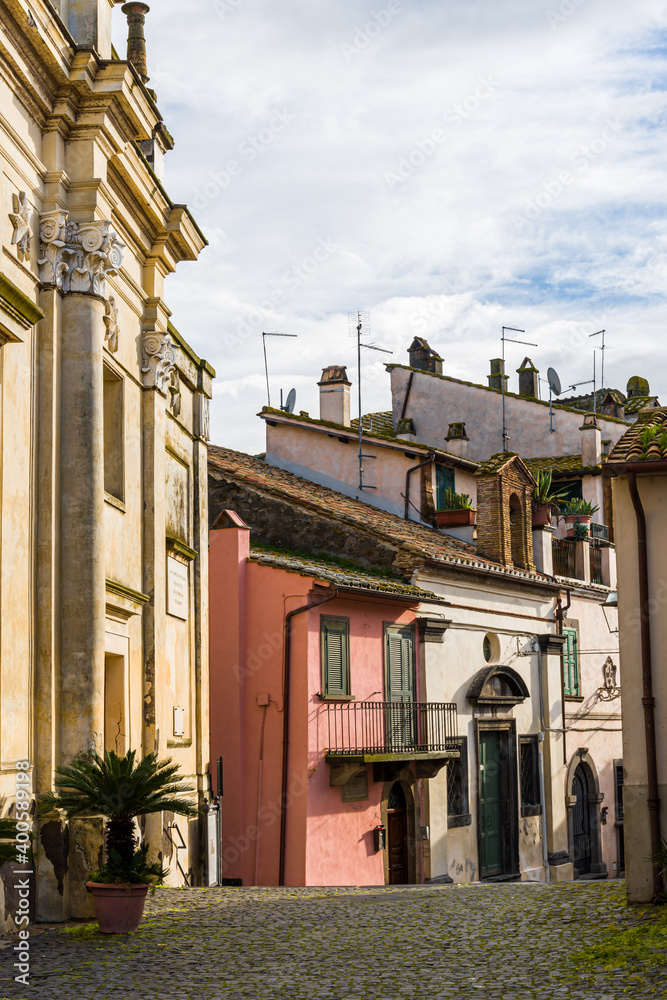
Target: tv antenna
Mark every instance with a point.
(600, 333)
(266, 364)
(555, 389)
(360, 325)
(511, 340)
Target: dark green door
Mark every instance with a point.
(490, 797)
(400, 665)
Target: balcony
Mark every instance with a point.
(390, 735)
(564, 555)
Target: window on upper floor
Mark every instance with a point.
(458, 809)
(571, 676)
(444, 480)
(114, 437)
(335, 654)
(529, 774)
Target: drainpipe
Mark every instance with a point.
(407, 395)
(648, 700)
(560, 615)
(415, 468)
(286, 717)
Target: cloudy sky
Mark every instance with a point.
(451, 166)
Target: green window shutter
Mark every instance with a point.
(571, 663)
(444, 480)
(400, 664)
(335, 635)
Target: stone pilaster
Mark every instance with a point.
(561, 868)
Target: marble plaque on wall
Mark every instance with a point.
(355, 790)
(177, 589)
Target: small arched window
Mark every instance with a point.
(517, 530)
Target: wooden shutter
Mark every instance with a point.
(571, 662)
(335, 635)
(401, 722)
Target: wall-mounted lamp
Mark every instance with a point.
(611, 602)
(380, 838)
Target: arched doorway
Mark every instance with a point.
(585, 832)
(397, 836)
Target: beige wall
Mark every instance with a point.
(83, 581)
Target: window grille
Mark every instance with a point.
(458, 809)
(529, 774)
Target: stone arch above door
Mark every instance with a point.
(499, 686)
(406, 779)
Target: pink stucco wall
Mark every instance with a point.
(328, 841)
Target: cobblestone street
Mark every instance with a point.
(509, 942)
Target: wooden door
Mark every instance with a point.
(397, 837)
(490, 800)
(581, 823)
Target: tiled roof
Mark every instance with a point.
(496, 462)
(418, 542)
(377, 423)
(343, 575)
(641, 443)
(560, 464)
(637, 403)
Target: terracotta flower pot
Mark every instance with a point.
(118, 908)
(455, 518)
(542, 515)
(572, 519)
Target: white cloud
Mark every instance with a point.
(572, 125)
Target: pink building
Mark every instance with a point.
(315, 706)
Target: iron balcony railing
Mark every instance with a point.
(564, 557)
(595, 550)
(386, 727)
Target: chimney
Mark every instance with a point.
(423, 358)
(406, 429)
(637, 386)
(528, 379)
(497, 374)
(136, 41)
(335, 395)
(89, 22)
(457, 440)
(612, 406)
(591, 441)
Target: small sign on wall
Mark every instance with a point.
(177, 589)
(356, 789)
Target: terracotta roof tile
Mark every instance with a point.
(637, 403)
(347, 576)
(377, 423)
(560, 465)
(646, 440)
(418, 541)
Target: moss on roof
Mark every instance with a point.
(646, 441)
(338, 571)
(637, 403)
(561, 465)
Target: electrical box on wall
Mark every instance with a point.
(179, 721)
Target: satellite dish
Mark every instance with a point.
(554, 381)
(291, 401)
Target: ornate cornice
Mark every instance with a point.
(77, 257)
(159, 360)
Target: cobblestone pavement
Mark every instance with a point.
(506, 942)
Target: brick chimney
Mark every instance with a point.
(591, 441)
(504, 511)
(423, 357)
(335, 395)
(136, 42)
(457, 440)
(497, 374)
(528, 379)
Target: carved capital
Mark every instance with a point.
(159, 360)
(77, 257)
(20, 220)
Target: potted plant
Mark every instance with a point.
(120, 789)
(456, 510)
(578, 512)
(545, 499)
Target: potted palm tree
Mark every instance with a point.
(120, 789)
(545, 499)
(578, 512)
(456, 510)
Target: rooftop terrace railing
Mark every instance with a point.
(388, 727)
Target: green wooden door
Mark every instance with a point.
(401, 715)
(491, 825)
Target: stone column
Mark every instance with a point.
(431, 633)
(561, 868)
